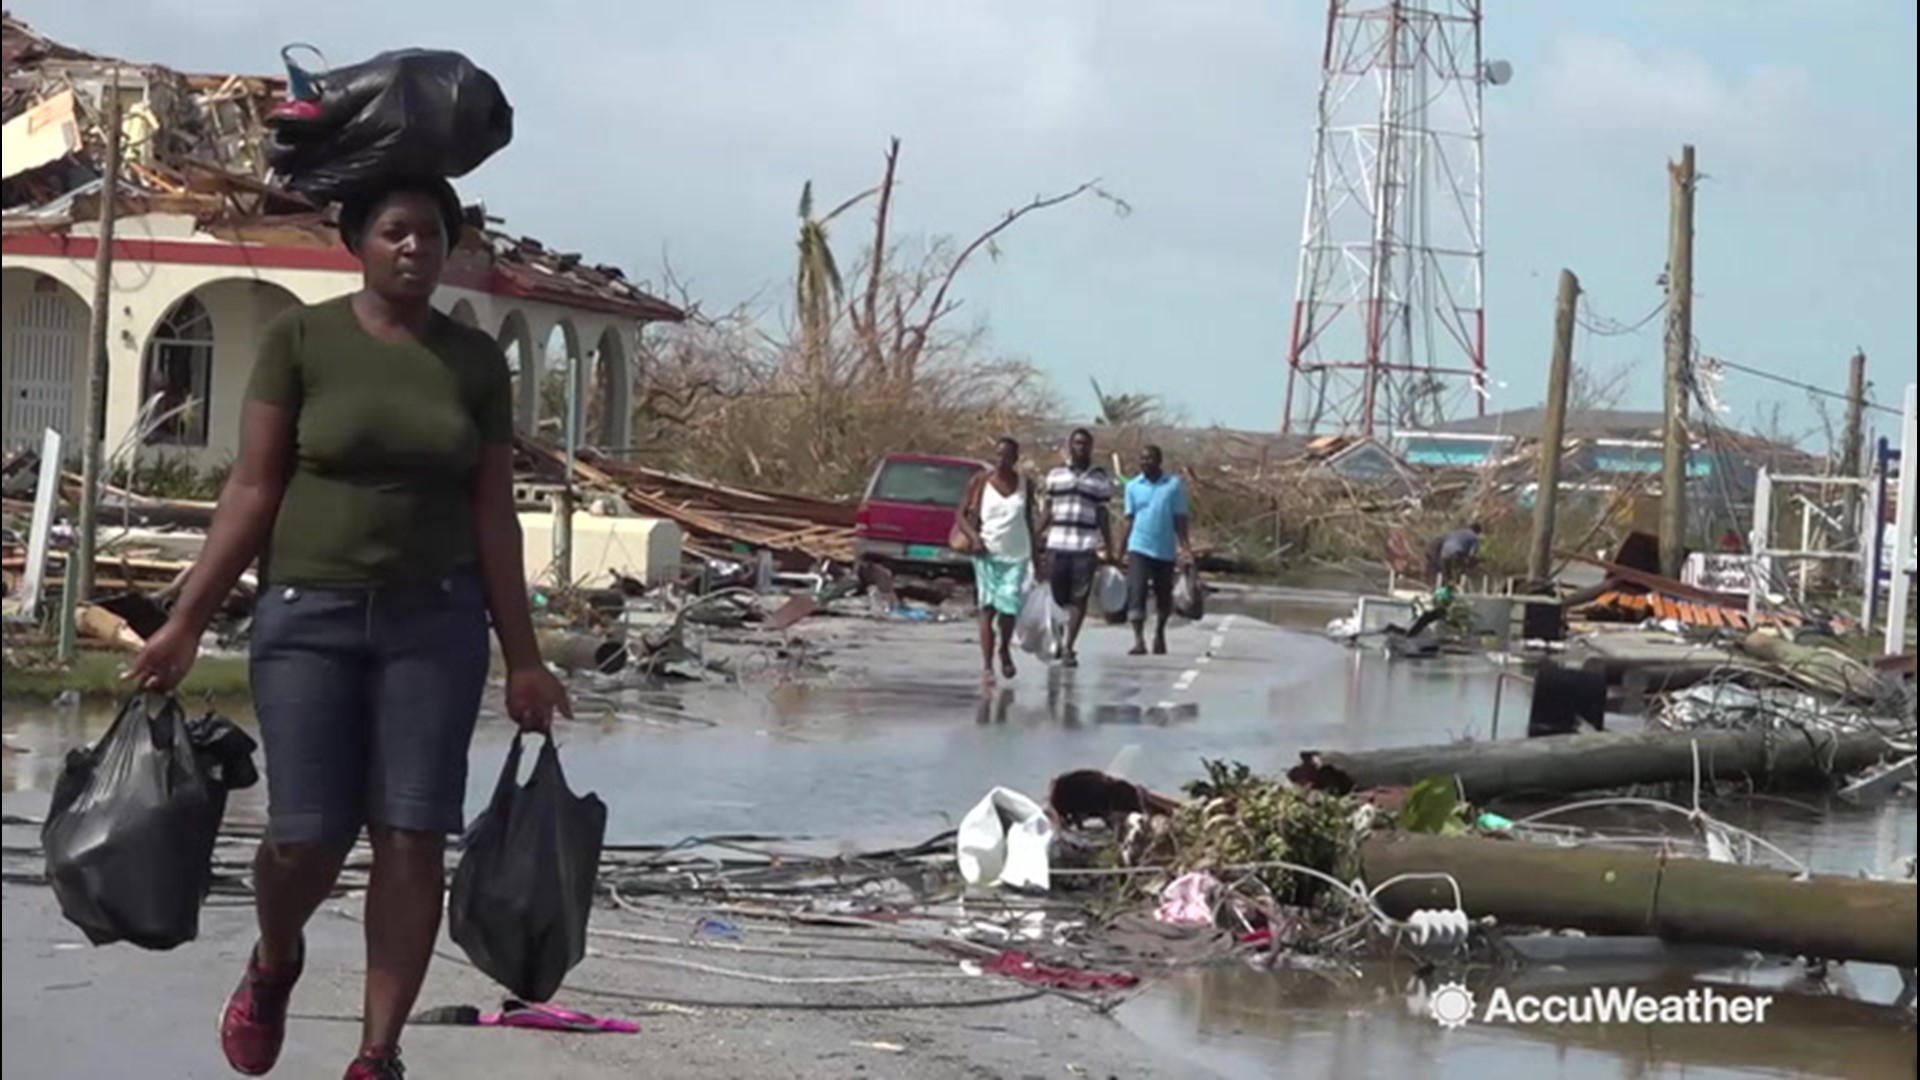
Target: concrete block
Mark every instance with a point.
(647, 549)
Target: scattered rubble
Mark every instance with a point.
(735, 536)
(720, 523)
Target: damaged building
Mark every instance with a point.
(207, 249)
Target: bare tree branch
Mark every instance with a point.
(853, 202)
(1598, 389)
(917, 338)
(869, 326)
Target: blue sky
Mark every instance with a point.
(686, 130)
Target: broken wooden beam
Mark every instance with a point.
(1611, 891)
(1567, 764)
(799, 532)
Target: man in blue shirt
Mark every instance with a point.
(1157, 512)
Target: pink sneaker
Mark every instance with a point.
(377, 1065)
(254, 1024)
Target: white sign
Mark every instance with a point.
(46, 504)
(1732, 574)
(1453, 1005)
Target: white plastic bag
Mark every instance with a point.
(1189, 595)
(1110, 587)
(1006, 840)
(1040, 624)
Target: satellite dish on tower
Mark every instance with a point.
(1497, 72)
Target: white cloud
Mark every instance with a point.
(1612, 98)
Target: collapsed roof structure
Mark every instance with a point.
(193, 145)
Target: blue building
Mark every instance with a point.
(1608, 452)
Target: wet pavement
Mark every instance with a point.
(1242, 1024)
(899, 738)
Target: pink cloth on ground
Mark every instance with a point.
(1188, 901)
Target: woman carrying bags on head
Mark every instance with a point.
(996, 523)
(375, 484)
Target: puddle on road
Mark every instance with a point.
(1241, 1024)
(903, 740)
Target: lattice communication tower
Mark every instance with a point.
(1389, 318)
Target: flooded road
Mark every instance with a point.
(900, 739)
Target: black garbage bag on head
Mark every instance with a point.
(130, 835)
(412, 113)
(1189, 594)
(523, 891)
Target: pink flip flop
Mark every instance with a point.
(519, 1014)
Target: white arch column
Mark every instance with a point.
(516, 339)
(613, 378)
(562, 359)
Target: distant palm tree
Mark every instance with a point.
(1124, 410)
(817, 285)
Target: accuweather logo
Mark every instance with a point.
(1453, 1005)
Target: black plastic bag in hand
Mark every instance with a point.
(524, 888)
(413, 113)
(129, 839)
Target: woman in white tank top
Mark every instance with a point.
(997, 519)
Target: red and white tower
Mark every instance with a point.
(1389, 322)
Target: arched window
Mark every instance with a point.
(178, 379)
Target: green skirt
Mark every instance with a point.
(1000, 583)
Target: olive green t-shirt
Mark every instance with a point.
(386, 443)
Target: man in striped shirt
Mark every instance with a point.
(1079, 531)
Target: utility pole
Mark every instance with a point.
(563, 500)
(1553, 435)
(1679, 380)
(93, 426)
(1856, 429)
(1852, 451)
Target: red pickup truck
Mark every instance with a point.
(909, 511)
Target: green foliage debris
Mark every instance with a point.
(1239, 819)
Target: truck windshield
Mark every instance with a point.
(922, 483)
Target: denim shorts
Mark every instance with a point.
(367, 701)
